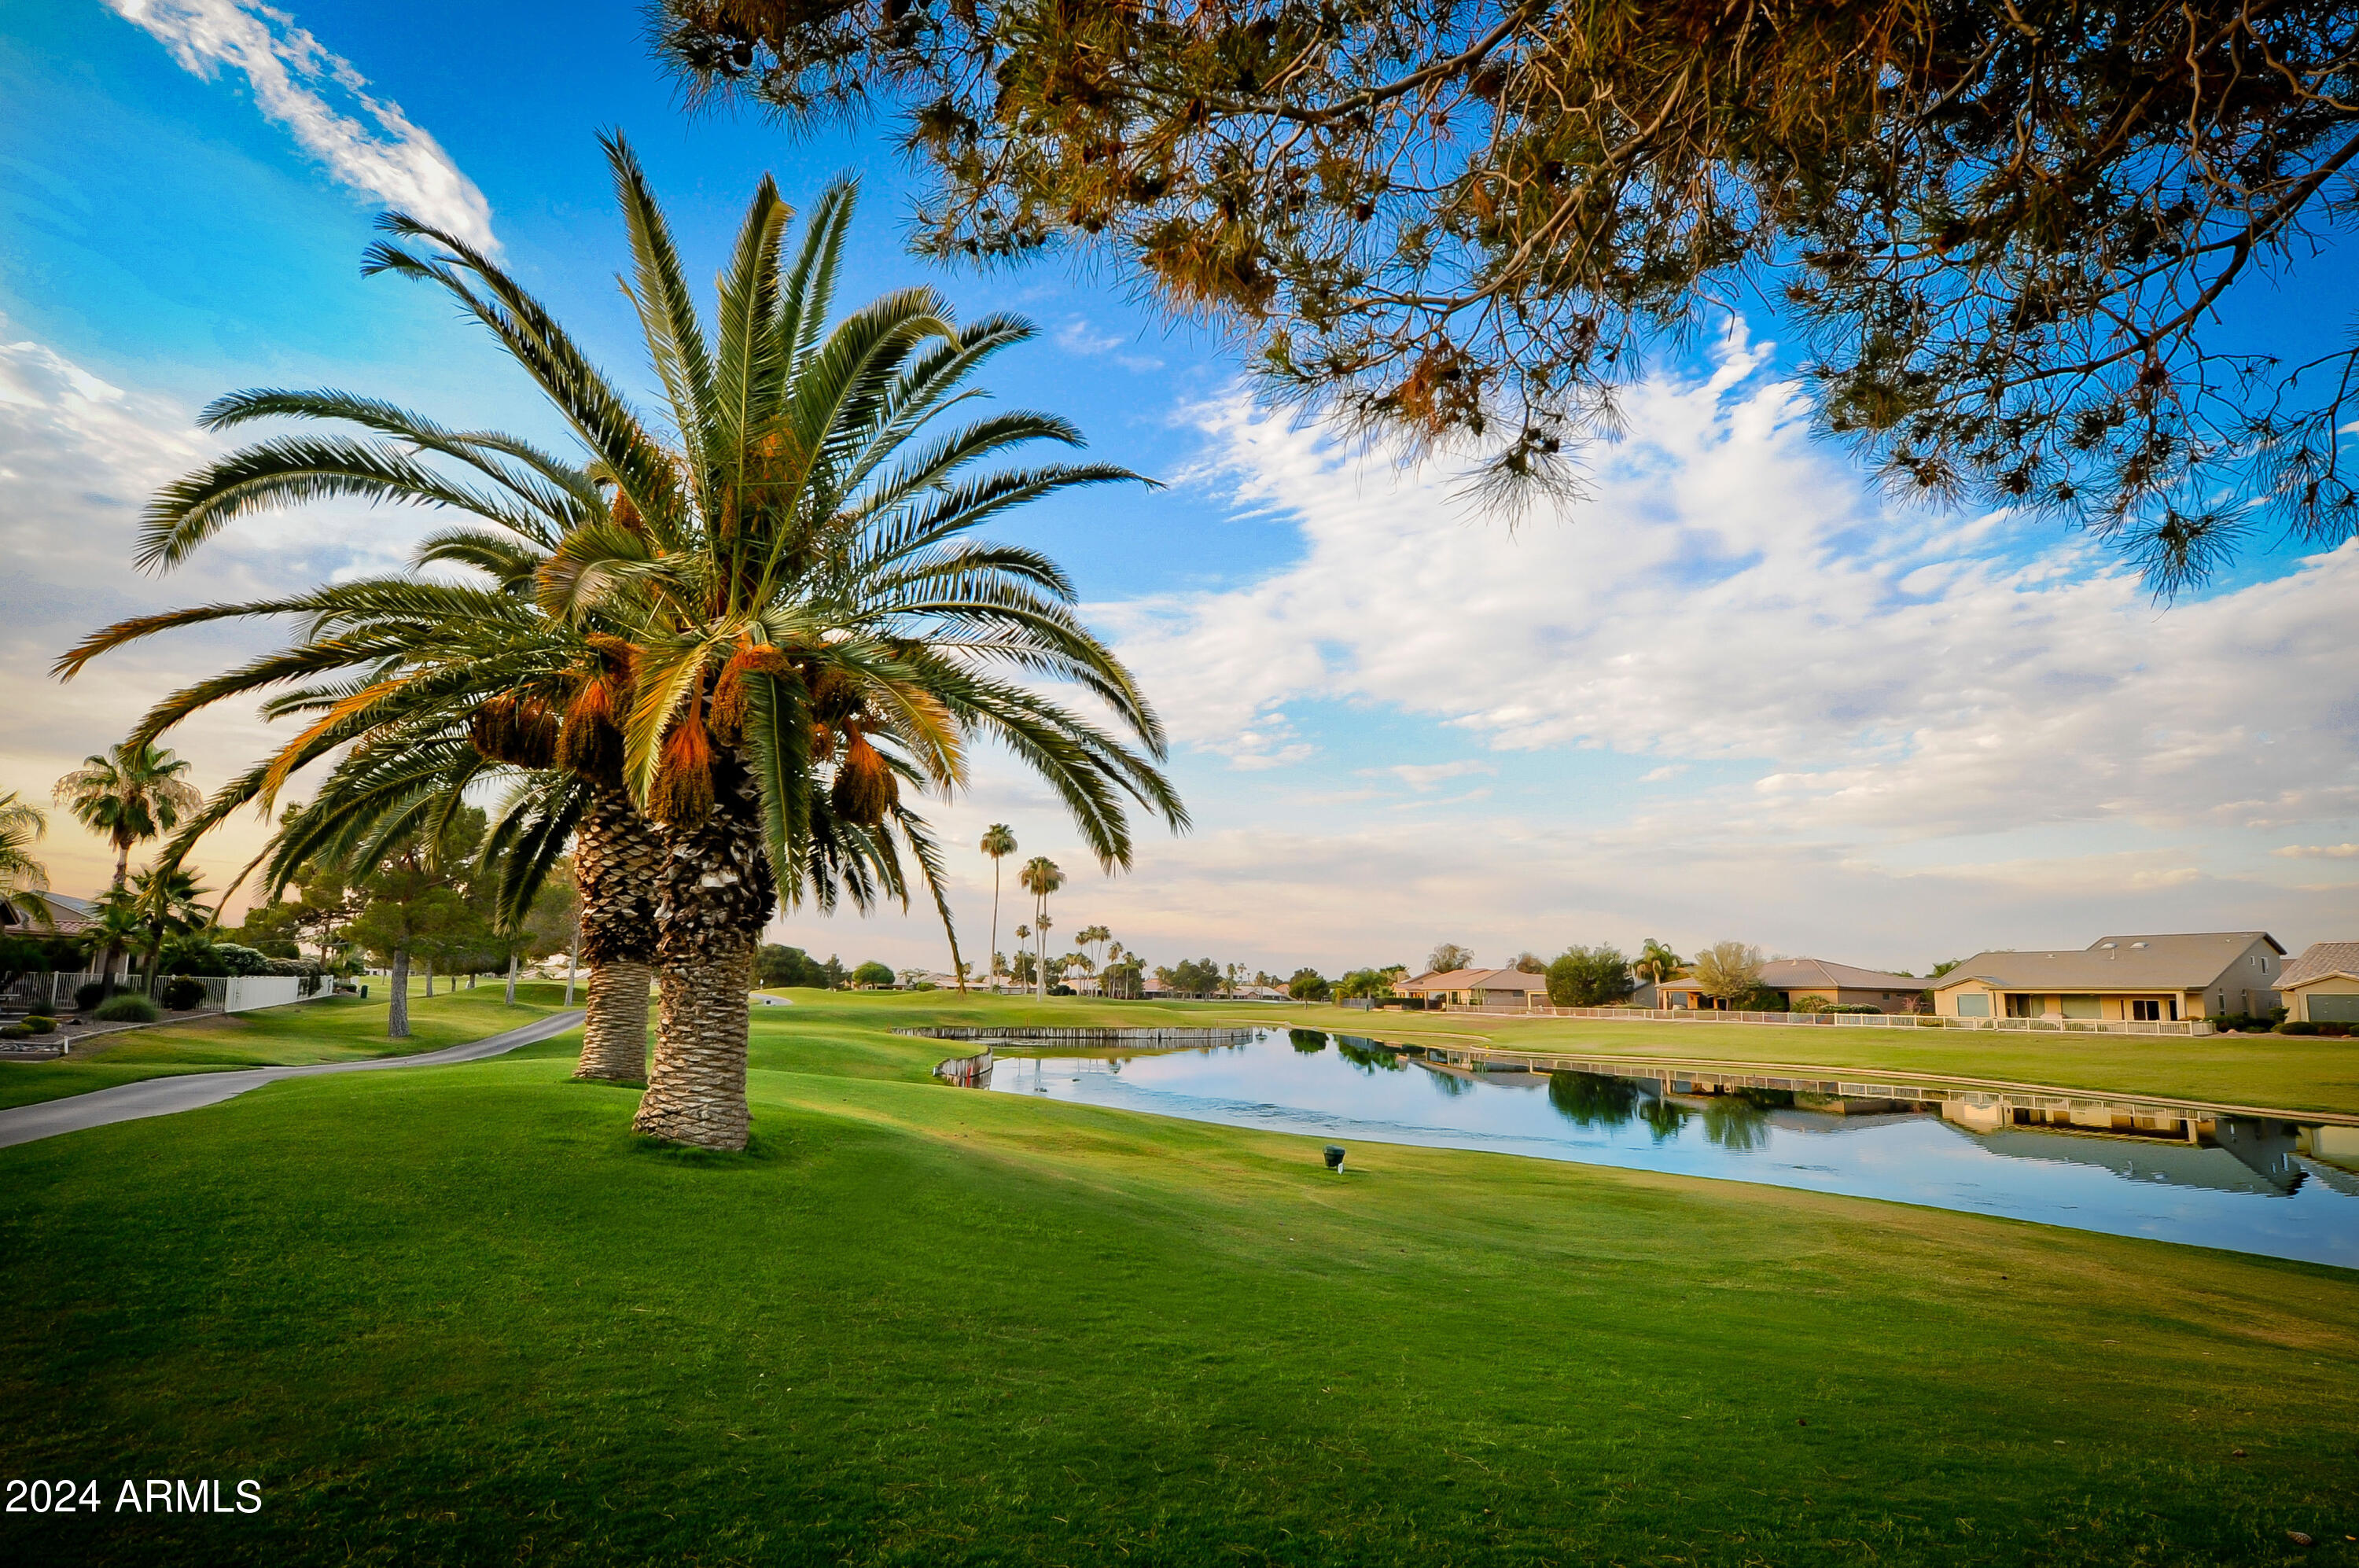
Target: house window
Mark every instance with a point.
(1973, 1003)
(2081, 1007)
(2147, 1009)
(2021, 1005)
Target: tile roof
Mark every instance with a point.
(2183, 962)
(2320, 959)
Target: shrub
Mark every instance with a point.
(2291, 1027)
(1061, 989)
(90, 993)
(36, 1024)
(16, 1031)
(126, 1007)
(181, 993)
(2340, 1032)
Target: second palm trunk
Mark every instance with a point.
(714, 894)
(617, 855)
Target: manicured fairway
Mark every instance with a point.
(460, 1315)
(335, 1029)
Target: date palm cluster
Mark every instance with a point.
(720, 656)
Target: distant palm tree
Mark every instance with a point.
(1023, 934)
(1041, 877)
(132, 794)
(1657, 962)
(23, 880)
(999, 843)
(1089, 938)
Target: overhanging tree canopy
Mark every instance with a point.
(2008, 229)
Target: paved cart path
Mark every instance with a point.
(187, 1091)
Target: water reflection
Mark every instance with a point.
(2137, 1168)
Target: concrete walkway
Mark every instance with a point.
(187, 1091)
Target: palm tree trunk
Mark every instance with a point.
(429, 978)
(715, 893)
(995, 925)
(509, 1000)
(396, 1018)
(617, 855)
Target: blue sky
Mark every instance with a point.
(1735, 695)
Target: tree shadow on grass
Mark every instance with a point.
(761, 1148)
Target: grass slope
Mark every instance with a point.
(335, 1029)
(460, 1315)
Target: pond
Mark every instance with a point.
(2245, 1183)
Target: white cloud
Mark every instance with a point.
(1422, 776)
(375, 149)
(1734, 594)
(78, 457)
(1077, 336)
(2318, 852)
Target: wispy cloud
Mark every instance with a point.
(1077, 336)
(1427, 775)
(375, 148)
(2318, 852)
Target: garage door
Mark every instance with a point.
(2334, 1007)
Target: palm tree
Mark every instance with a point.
(805, 625)
(168, 904)
(1657, 962)
(1041, 877)
(433, 686)
(1023, 934)
(130, 795)
(1089, 936)
(812, 629)
(999, 843)
(24, 880)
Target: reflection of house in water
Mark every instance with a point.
(2253, 1157)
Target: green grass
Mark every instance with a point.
(335, 1029)
(461, 1315)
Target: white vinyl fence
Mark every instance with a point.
(223, 993)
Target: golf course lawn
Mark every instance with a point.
(462, 1315)
(333, 1028)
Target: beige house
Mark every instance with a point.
(1493, 988)
(2204, 974)
(2322, 986)
(1837, 984)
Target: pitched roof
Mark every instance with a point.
(1808, 974)
(2320, 959)
(67, 916)
(2184, 962)
(1801, 973)
(1478, 980)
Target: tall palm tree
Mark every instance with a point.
(812, 629)
(432, 685)
(135, 792)
(23, 881)
(806, 626)
(132, 794)
(999, 843)
(1041, 877)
